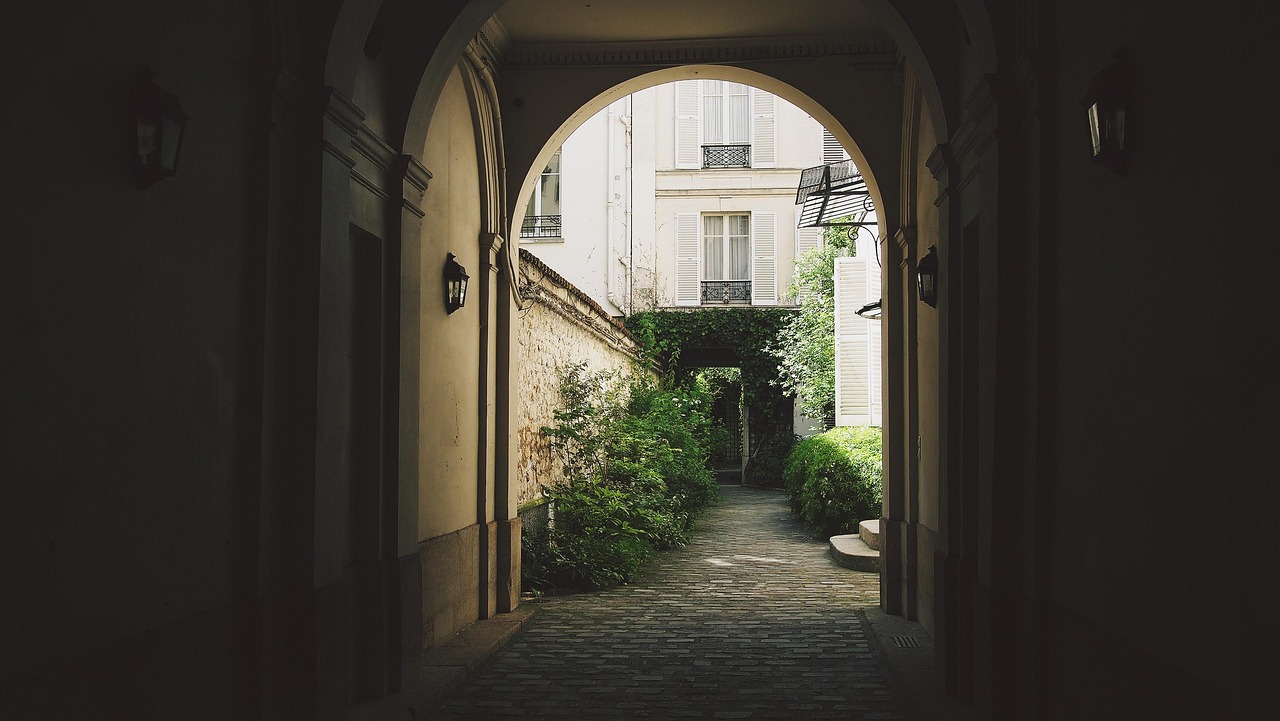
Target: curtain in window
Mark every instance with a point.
(739, 242)
(738, 125)
(713, 247)
(712, 111)
(726, 112)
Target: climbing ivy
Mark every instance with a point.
(748, 332)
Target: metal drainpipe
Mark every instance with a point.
(631, 198)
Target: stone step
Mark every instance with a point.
(850, 551)
(869, 532)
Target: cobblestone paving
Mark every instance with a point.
(750, 620)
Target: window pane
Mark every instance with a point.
(739, 118)
(712, 119)
(550, 195)
(713, 247)
(713, 258)
(739, 258)
(739, 242)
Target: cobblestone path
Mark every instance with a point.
(750, 620)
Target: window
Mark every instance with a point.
(726, 258)
(721, 124)
(542, 216)
(726, 124)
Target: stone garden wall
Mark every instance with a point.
(559, 325)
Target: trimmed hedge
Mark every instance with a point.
(834, 480)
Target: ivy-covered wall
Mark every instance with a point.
(685, 340)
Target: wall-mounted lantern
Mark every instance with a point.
(161, 126)
(1105, 105)
(927, 277)
(455, 284)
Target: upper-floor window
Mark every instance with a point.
(722, 124)
(726, 124)
(542, 216)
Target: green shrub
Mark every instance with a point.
(635, 462)
(834, 480)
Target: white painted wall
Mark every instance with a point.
(621, 194)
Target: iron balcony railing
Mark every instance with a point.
(540, 226)
(726, 291)
(726, 156)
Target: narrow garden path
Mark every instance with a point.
(750, 620)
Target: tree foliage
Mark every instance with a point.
(805, 348)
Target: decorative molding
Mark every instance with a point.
(343, 112)
(909, 162)
(905, 237)
(491, 249)
(939, 161)
(493, 40)
(727, 193)
(978, 129)
(875, 50)
(371, 185)
(414, 177)
(375, 149)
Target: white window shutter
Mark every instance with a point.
(858, 397)
(688, 126)
(688, 270)
(832, 150)
(806, 238)
(764, 131)
(764, 258)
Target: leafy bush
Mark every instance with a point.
(834, 480)
(635, 461)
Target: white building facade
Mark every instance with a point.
(683, 195)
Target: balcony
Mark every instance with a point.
(540, 226)
(726, 292)
(726, 156)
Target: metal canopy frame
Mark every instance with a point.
(831, 193)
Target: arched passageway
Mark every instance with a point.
(257, 460)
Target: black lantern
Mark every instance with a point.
(161, 124)
(927, 277)
(455, 284)
(1105, 106)
(870, 311)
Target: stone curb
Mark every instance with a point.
(446, 668)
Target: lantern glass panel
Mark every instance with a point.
(1095, 129)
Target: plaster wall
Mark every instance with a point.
(449, 413)
(586, 252)
(1159, 346)
(129, 382)
(926, 494)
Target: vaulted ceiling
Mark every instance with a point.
(529, 22)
